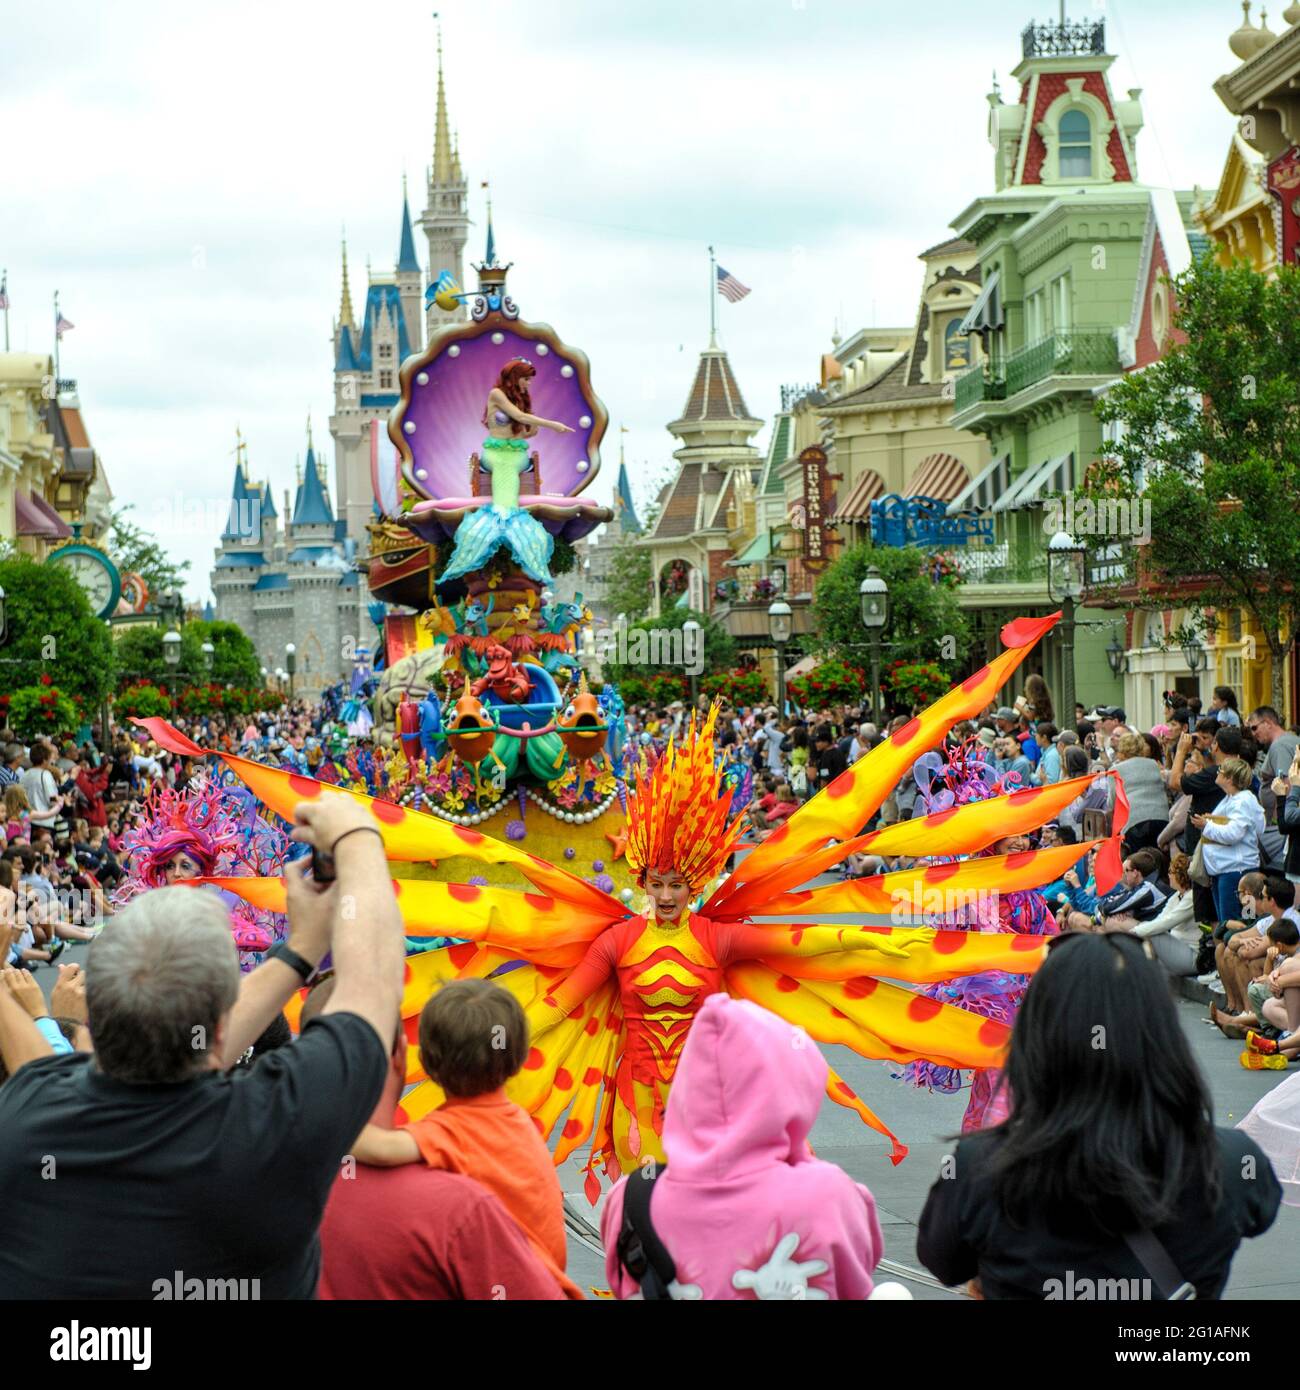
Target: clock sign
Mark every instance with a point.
(96, 574)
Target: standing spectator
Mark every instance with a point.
(1049, 764)
(1223, 705)
(1039, 699)
(1286, 791)
(1277, 750)
(1106, 1156)
(743, 1207)
(863, 742)
(1196, 776)
(167, 1160)
(830, 762)
(1231, 833)
(12, 770)
(42, 790)
(1148, 801)
(419, 1233)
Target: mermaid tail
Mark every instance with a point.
(480, 536)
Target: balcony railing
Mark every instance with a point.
(1077, 352)
(973, 386)
(1007, 562)
(1063, 40)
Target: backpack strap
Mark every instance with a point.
(1159, 1264)
(640, 1251)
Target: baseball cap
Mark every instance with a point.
(1006, 712)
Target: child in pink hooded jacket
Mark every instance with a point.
(744, 1208)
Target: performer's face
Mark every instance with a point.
(669, 892)
(181, 866)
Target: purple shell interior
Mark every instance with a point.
(448, 413)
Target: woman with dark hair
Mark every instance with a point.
(1110, 1166)
(1037, 694)
(510, 425)
(1223, 705)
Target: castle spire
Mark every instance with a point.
(406, 258)
(443, 161)
(345, 303)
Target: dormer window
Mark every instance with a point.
(385, 381)
(385, 350)
(1075, 158)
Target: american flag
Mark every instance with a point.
(4, 292)
(729, 287)
(62, 326)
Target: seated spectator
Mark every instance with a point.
(1056, 891)
(478, 1130)
(1283, 940)
(419, 1233)
(1174, 935)
(1138, 896)
(1230, 833)
(1232, 935)
(1252, 955)
(1107, 1155)
(782, 807)
(1147, 799)
(168, 1160)
(743, 1205)
(1076, 764)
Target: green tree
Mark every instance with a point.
(719, 652)
(629, 582)
(1210, 442)
(234, 660)
(136, 551)
(52, 632)
(922, 614)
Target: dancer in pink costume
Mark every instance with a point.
(963, 778)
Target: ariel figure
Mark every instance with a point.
(611, 994)
(510, 425)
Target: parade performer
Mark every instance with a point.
(211, 829)
(510, 425)
(964, 779)
(610, 994)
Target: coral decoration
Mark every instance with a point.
(678, 817)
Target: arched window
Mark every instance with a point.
(956, 347)
(1075, 153)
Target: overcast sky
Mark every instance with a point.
(182, 173)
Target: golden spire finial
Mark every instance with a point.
(309, 430)
(345, 303)
(443, 166)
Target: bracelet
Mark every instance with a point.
(356, 830)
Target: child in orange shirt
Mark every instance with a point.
(473, 1039)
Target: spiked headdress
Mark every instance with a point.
(677, 814)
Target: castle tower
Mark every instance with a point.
(410, 283)
(446, 216)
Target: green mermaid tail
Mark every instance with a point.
(503, 523)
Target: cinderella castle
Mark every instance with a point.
(293, 578)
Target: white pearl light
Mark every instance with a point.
(542, 349)
(583, 465)
(566, 370)
(421, 473)
(498, 338)
(585, 421)
(454, 350)
(422, 378)
(626, 895)
(409, 426)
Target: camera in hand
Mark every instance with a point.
(322, 866)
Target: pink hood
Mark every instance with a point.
(740, 1174)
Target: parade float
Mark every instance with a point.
(484, 717)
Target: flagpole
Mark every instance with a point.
(4, 293)
(56, 345)
(713, 299)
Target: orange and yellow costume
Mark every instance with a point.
(611, 995)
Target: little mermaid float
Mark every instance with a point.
(611, 993)
(510, 425)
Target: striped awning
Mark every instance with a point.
(857, 505)
(986, 312)
(941, 475)
(984, 489)
(1055, 475)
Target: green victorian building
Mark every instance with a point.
(1060, 245)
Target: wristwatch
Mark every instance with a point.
(292, 959)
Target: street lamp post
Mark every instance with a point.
(1194, 655)
(171, 644)
(779, 626)
(209, 651)
(291, 663)
(691, 632)
(1065, 558)
(1116, 657)
(873, 597)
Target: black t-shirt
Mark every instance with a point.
(110, 1187)
(830, 763)
(963, 1235)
